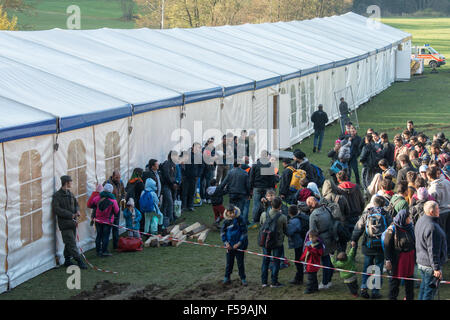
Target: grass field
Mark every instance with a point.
(191, 271)
(49, 14)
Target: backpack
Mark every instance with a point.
(400, 243)
(268, 235)
(390, 208)
(375, 226)
(338, 166)
(297, 176)
(320, 178)
(146, 202)
(304, 222)
(338, 230)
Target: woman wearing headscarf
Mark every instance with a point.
(399, 252)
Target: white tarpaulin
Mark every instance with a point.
(31, 229)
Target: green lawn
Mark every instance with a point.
(49, 14)
(425, 100)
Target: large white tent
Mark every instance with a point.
(85, 103)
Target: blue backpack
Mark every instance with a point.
(319, 174)
(338, 166)
(146, 202)
(376, 225)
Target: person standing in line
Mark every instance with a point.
(120, 194)
(320, 119)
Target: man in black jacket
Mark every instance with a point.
(320, 119)
(262, 178)
(285, 181)
(388, 149)
(355, 148)
(152, 172)
(343, 112)
(403, 159)
(169, 187)
(66, 209)
(431, 249)
(191, 171)
(302, 162)
(237, 185)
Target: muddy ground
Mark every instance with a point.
(107, 290)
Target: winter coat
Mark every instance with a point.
(401, 175)
(356, 147)
(127, 214)
(320, 220)
(64, 205)
(193, 170)
(150, 186)
(440, 190)
(312, 254)
(354, 197)
(135, 186)
(167, 173)
(107, 207)
(118, 189)
(366, 152)
(360, 230)
(89, 204)
(236, 183)
(215, 193)
(330, 195)
(281, 224)
(400, 203)
(388, 153)
(234, 230)
(343, 109)
(307, 167)
(285, 182)
(258, 180)
(320, 119)
(431, 243)
(294, 228)
(150, 174)
(349, 264)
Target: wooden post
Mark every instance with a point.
(191, 227)
(202, 236)
(196, 230)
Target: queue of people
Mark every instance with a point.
(404, 226)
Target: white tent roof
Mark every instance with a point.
(69, 79)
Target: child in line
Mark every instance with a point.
(215, 194)
(234, 236)
(149, 205)
(132, 219)
(347, 262)
(311, 254)
(298, 225)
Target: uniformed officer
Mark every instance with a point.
(65, 207)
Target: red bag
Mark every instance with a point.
(127, 244)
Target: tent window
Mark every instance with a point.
(293, 107)
(304, 96)
(112, 153)
(312, 101)
(30, 182)
(76, 168)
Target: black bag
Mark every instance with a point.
(304, 221)
(268, 235)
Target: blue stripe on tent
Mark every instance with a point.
(195, 96)
(28, 130)
(240, 88)
(306, 72)
(291, 76)
(326, 66)
(89, 119)
(166, 103)
(267, 83)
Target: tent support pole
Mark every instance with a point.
(6, 217)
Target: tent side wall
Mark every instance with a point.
(3, 226)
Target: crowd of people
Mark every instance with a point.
(401, 214)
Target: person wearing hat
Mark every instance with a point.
(320, 119)
(423, 171)
(66, 209)
(132, 218)
(302, 162)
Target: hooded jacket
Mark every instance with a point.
(312, 254)
(150, 186)
(306, 166)
(349, 264)
(234, 230)
(440, 190)
(354, 197)
(294, 229)
(330, 195)
(281, 224)
(129, 219)
(320, 220)
(320, 119)
(107, 207)
(64, 205)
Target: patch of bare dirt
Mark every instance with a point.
(102, 290)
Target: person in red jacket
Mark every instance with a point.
(107, 207)
(311, 254)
